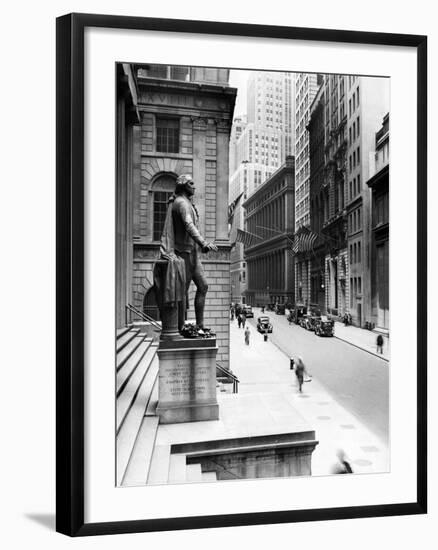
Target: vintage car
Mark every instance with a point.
(280, 309)
(263, 324)
(324, 326)
(297, 313)
(247, 311)
(303, 321)
(313, 315)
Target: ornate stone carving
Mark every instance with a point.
(199, 123)
(223, 125)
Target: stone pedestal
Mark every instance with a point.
(187, 380)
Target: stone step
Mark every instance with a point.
(128, 350)
(121, 331)
(127, 370)
(193, 473)
(125, 339)
(177, 468)
(153, 401)
(139, 463)
(130, 393)
(209, 476)
(127, 433)
(159, 469)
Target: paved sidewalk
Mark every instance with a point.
(361, 338)
(263, 370)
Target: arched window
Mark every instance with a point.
(162, 188)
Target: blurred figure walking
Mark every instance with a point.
(379, 343)
(300, 372)
(247, 334)
(342, 465)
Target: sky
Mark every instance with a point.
(238, 79)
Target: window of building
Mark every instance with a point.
(358, 155)
(359, 251)
(358, 126)
(358, 183)
(167, 135)
(357, 96)
(160, 209)
(162, 188)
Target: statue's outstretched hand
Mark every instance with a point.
(208, 247)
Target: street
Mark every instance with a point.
(356, 379)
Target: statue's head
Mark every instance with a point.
(185, 184)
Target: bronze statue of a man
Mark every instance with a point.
(181, 236)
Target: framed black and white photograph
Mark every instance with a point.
(241, 274)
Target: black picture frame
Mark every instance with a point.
(70, 273)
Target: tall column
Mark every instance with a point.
(199, 141)
(222, 147)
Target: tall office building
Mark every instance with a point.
(259, 145)
(368, 103)
(306, 87)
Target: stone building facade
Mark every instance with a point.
(368, 102)
(379, 185)
(182, 125)
(334, 225)
(316, 129)
(269, 213)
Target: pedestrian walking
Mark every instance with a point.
(265, 336)
(239, 320)
(263, 309)
(379, 343)
(243, 317)
(247, 334)
(300, 373)
(342, 465)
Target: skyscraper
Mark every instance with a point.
(259, 144)
(368, 103)
(306, 86)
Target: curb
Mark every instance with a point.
(363, 349)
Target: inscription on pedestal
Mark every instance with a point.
(187, 379)
(187, 383)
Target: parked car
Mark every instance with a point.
(303, 321)
(280, 309)
(263, 324)
(324, 326)
(298, 312)
(314, 314)
(247, 311)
